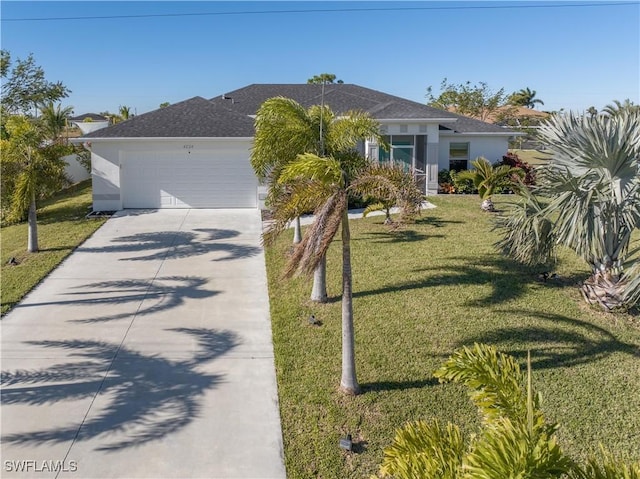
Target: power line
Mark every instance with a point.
(327, 10)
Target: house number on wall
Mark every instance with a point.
(187, 147)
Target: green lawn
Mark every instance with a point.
(419, 294)
(61, 228)
(533, 157)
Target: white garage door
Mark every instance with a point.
(220, 178)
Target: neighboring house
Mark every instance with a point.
(196, 153)
(90, 122)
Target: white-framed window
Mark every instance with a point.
(458, 156)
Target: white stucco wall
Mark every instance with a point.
(107, 157)
(491, 147)
(74, 170)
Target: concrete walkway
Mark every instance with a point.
(146, 354)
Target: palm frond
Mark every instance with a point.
(606, 467)
(495, 381)
(283, 131)
(350, 129)
(425, 450)
(527, 231)
(390, 185)
(325, 170)
(317, 238)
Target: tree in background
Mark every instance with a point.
(592, 111)
(525, 97)
(477, 101)
(324, 78)
(54, 120)
(35, 166)
(125, 112)
(587, 198)
(618, 107)
(164, 104)
(25, 88)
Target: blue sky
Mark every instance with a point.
(574, 56)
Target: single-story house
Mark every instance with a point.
(195, 154)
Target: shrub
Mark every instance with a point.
(511, 159)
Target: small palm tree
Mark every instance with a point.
(525, 97)
(487, 179)
(36, 166)
(587, 199)
(515, 440)
(325, 183)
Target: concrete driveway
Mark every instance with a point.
(146, 354)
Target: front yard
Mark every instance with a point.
(61, 227)
(419, 294)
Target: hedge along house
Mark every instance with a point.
(195, 154)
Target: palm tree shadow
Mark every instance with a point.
(179, 244)
(398, 385)
(564, 342)
(507, 280)
(161, 294)
(147, 396)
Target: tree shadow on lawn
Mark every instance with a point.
(508, 280)
(147, 396)
(564, 342)
(397, 385)
(161, 294)
(395, 236)
(178, 244)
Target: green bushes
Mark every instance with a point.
(514, 441)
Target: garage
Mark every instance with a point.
(188, 177)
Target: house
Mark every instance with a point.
(195, 154)
(90, 122)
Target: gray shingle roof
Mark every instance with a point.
(193, 118)
(92, 116)
(228, 115)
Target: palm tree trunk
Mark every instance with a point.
(604, 289)
(348, 382)
(32, 238)
(319, 289)
(297, 231)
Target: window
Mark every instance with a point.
(458, 156)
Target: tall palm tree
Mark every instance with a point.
(525, 97)
(284, 130)
(54, 120)
(325, 183)
(36, 166)
(591, 192)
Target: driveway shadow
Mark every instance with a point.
(178, 244)
(148, 397)
(161, 294)
(564, 342)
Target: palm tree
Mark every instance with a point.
(325, 183)
(487, 179)
(618, 107)
(125, 112)
(591, 193)
(515, 439)
(54, 120)
(36, 167)
(284, 130)
(525, 97)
